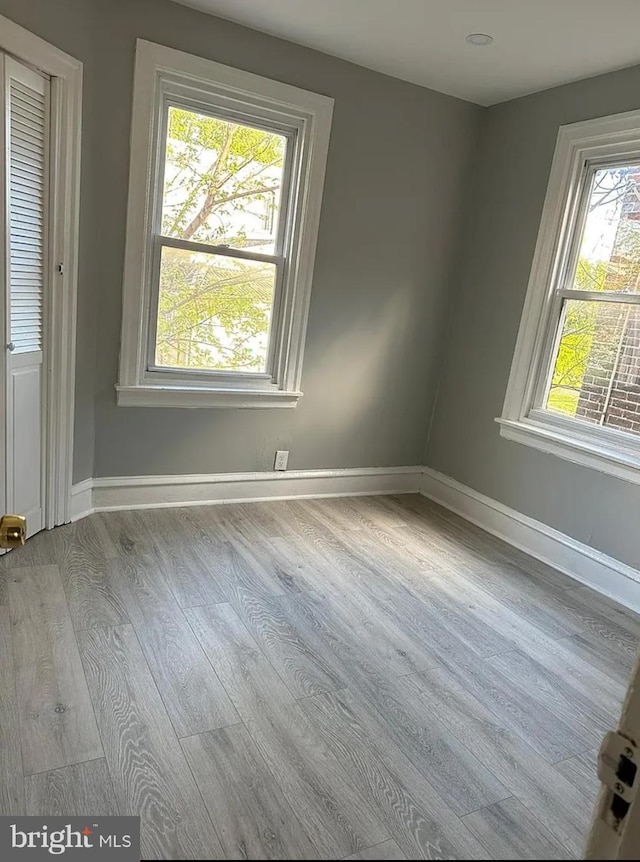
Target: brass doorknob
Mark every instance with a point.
(13, 531)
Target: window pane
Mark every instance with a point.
(222, 182)
(596, 376)
(610, 247)
(214, 312)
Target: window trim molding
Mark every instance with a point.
(157, 68)
(607, 450)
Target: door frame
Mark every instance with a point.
(615, 831)
(65, 73)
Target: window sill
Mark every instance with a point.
(176, 396)
(580, 450)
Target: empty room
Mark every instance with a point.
(320, 429)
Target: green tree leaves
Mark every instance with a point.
(222, 186)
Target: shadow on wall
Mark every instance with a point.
(345, 378)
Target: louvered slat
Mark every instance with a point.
(27, 159)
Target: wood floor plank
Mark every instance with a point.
(250, 522)
(582, 771)
(129, 532)
(608, 621)
(299, 519)
(189, 554)
(190, 577)
(509, 831)
(57, 725)
(240, 566)
(433, 614)
(178, 527)
(428, 635)
(465, 783)
(623, 617)
(263, 519)
(334, 515)
(510, 624)
(285, 565)
(250, 813)
(149, 772)
(523, 593)
(378, 512)
(565, 660)
(603, 656)
(194, 696)
(142, 584)
(361, 512)
(386, 850)
(356, 590)
(539, 688)
(92, 595)
(416, 817)
(512, 586)
(367, 597)
(449, 611)
(99, 524)
(4, 580)
(335, 816)
(41, 550)
(517, 708)
(303, 668)
(11, 780)
(478, 546)
(554, 801)
(81, 790)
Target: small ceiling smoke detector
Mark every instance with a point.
(479, 39)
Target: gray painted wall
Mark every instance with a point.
(395, 177)
(497, 239)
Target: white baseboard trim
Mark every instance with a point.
(585, 564)
(81, 500)
(145, 492)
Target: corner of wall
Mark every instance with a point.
(458, 234)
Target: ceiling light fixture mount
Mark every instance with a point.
(480, 39)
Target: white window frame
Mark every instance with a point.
(164, 76)
(580, 147)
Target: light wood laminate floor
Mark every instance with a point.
(361, 678)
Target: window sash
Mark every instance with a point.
(173, 373)
(562, 290)
(157, 240)
(246, 118)
(545, 379)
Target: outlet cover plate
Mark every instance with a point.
(281, 460)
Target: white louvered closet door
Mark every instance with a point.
(26, 109)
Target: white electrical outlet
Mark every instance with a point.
(282, 457)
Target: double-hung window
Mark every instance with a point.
(574, 388)
(227, 170)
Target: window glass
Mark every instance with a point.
(222, 182)
(214, 311)
(596, 375)
(609, 256)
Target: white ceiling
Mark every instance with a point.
(537, 43)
